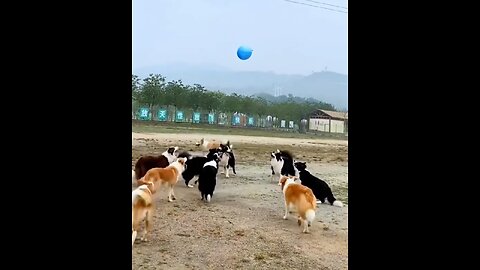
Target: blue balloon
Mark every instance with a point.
(244, 52)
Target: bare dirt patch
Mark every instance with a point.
(242, 228)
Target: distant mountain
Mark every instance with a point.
(324, 86)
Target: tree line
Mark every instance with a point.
(155, 92)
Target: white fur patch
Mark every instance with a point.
(210, 163)
(310, 215)
(209, 198)
(337, 203)
(276, 165)
(180, 168)
(170, 158)
(288, 182)
(134, 236)
(224, 160)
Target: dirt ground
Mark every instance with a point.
(242, 227)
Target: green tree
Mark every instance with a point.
(135, 85)
(151, 92)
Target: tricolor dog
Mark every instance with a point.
(146, 163)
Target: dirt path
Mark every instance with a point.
(242, 228)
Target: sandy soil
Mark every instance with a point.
(242, 227)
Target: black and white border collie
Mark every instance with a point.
(227, 159)
(194, 166)
(320, 188)
(207, 180)
(146, 163)
(281, 163)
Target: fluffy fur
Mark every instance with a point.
(281, 163)
(319, 187)
(207, 145)
(165, 176)
(298, 198)
(207, 180)
(146, 163)
(142, 209)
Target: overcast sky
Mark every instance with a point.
(286, 37)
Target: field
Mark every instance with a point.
(242, 227)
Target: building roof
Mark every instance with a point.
(333, 114)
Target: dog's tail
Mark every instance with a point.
(310, 215)
(134, 236)
(337, 203)
(333, 201)
(134, 233)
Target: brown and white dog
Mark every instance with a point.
(142, 209)
(300, 199)
(165, 176)
(207, 145)
(145, 163)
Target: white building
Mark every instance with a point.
(328, 121)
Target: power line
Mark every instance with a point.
(315, 6)
(325, 4)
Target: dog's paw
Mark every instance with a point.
(189, 185)
(284, 217)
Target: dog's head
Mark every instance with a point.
(301, 166)
(184, 154)
(277, 156)
(286, 180)
(172, 150)
(214, 154)
(182, 160)
(181, 164)
(225, 148)
(200, 142)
